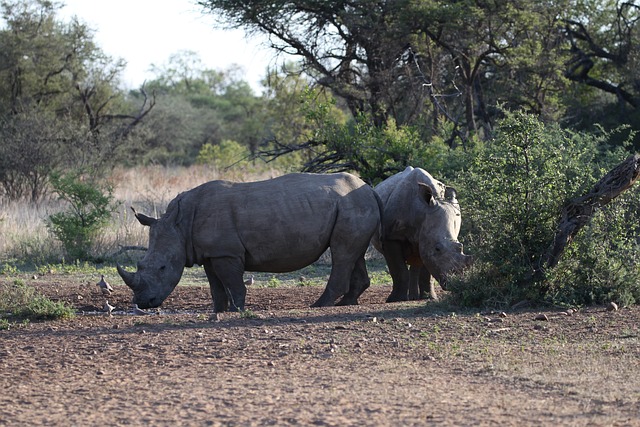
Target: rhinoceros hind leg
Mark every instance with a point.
(358, 284)
(338, 283)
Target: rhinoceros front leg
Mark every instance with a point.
(227, 285)
(358, 284)
(421, 284)
(218, 293)
(398, 270)
(415, 291)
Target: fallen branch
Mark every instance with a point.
(577, 213)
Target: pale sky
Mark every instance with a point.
(145, 32)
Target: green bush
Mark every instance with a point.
(20, 301)
(90, 208)
(603, 263)
(226, 154)
(511, 194)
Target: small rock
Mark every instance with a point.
(612, 306)
(542, 317)
(570, 311)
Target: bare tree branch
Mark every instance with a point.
(577, 213)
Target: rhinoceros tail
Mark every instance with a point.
(381, 210)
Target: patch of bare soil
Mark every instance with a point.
(282, 363)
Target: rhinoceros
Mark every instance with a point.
(278, 225)
(421, 222)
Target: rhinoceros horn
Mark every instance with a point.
(126, 276)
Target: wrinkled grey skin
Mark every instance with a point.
(278, 225)
(421, 222)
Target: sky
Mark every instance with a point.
(145, 32)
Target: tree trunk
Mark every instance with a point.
(577, 213)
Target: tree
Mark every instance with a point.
(604, 40)
(54, 75)
(200, 106)
(418, 63)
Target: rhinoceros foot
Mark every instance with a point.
(347, 300)
(395, 297)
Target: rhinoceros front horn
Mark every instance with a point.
(126, 276)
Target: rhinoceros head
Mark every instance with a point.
(161, 268)
(440, 250)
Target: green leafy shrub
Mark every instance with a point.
(20, 301)
(512, 194)
(90, 209)
(226, 154)
(603, 263)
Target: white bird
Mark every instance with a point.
(108, 307)
(138, 311)
(104, 286)
(250, 281)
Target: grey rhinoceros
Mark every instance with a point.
(278, 225)
(421, 222)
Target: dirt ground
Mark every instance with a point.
(282, 363)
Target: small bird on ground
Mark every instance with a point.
(250, 281)
(108, 308)
(138, 311)
(104, 286)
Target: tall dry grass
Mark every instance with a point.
(25, 239)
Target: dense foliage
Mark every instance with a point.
(512, 194)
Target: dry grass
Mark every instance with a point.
(24, 237)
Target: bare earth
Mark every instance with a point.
(282, 363)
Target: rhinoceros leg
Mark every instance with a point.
(228, 271)
(337, 285)
(398, 270)
(343, 264)
(218, 293)
(358, 284)
(415, 290)
(427, 284)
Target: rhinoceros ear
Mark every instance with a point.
(426, 193)
(143, 219)
(451, 194)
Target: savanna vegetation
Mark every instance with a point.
(522, 106)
